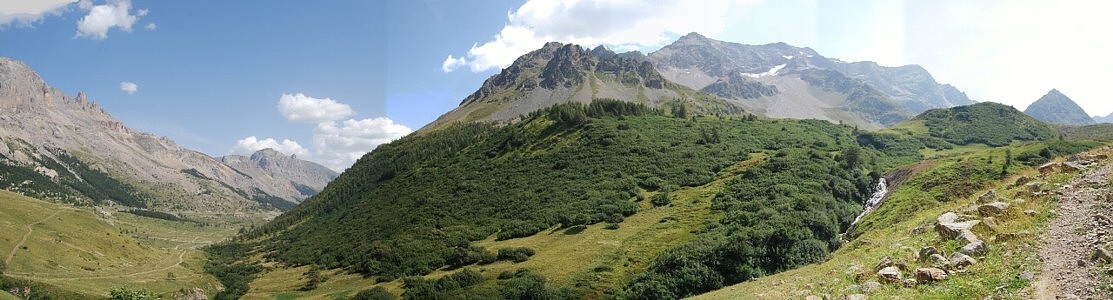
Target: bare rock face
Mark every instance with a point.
(287, 176)
(71, 138)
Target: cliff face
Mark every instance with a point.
(45, 130)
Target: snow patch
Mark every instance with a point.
(772, 71)
(787, 56)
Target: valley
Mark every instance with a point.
(68, 252)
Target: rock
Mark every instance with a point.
(1083, 263)
(1022, 180)
(976, 248)
(1102, 254)
(885, 262)
(1048, 168)
(950, 228)
(991, 223)
(889, 274)
(1096, 156)
(918, 230)
(959, 260)
(909, 283)
(937, 260)
(855, 297)
(989, 196)
(1030, 212)
(1026, 276)
(930, 275)
(871, 286)
(995, 208)
(1072, 167)
(195, 293)
(854, 269)
(925, 253)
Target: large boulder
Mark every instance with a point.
(991, 209)
(925, 253)
(939, 261)
(930, 275)
(951, 227)
(959, 260)
(1049, 168)
(976, 248)
(889, 274)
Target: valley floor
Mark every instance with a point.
(86, 251)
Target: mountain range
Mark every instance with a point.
(68, 149)
(710, 77)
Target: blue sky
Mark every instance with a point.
(330, 80)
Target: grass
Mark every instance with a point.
(90, 250)
(1013, 250)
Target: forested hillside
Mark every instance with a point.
(781, 193)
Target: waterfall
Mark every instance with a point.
(875, 199)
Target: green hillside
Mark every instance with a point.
(420, 204)
(983, 123)
(613, 199)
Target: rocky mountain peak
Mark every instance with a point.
(1055, 107)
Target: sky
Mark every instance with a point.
(330, 80)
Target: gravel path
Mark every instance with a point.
(1078, 230)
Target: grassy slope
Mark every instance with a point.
(568, 260)
(995, 275)
(79, 250)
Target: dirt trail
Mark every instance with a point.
(30, 229)
(1079, 228)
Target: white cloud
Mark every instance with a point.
(336, 144)
(151, 26)
(302, 108)
(249, 145)
(25, 13)
(616, 24)
(339, 145)
(101, 18)
(451, 63)
(129, 87)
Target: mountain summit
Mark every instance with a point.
(1054, 107)
(559, 73)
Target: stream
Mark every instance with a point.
(875, 200)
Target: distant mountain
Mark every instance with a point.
(559, 73)
(1106, 119)
(896, 93)
(1054, 107)
(68, 149)
(987, 123)
(302, 178)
